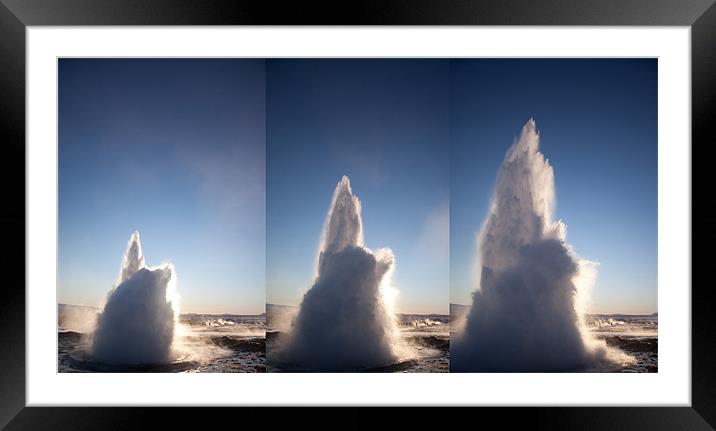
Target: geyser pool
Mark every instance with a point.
(344, 323)
(137, 323)
(524, 314)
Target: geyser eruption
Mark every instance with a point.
(525, 313)
(133, 259)
(344, 322)
(139, 317)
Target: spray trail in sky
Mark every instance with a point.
(526, 314)
(137, 323)
(344, 322)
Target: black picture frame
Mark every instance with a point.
(16, 15)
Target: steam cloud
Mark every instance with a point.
(524, 316)
(138, 320)
(344, 323)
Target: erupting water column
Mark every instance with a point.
(344, 323)
(138, 320)
(524, 315)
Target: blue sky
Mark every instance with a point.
(598, 128)
(189, 151)
(385, 124)
(176, 150)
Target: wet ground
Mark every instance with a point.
(635, 335)
(431, 348)
(644, 349)
(194, 354)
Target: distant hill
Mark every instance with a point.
(280, 315)
(280, 308)
(619, 316)
(66, 307)
(219, 316)
(458, 309)
(270, 308)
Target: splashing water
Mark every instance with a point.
(527, 313)
(138, 321)
(133, 259)
(345, 321)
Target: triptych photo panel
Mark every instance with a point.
(419, 215)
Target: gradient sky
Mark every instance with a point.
(385, 124)
(598, 128)
(189, 151)
(176, 150)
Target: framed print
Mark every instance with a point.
(461, 204)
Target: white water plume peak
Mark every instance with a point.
(526, 313)
(137, 324)
(345, 321)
